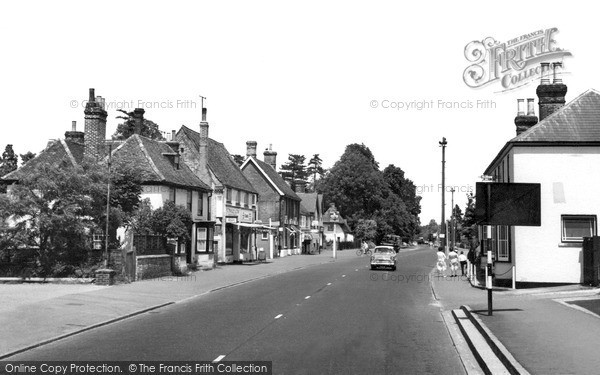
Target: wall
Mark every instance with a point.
(540, 255)
(152, 266)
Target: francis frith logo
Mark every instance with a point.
(512, 64)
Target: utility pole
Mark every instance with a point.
(452, 221)
(334, 218)
(106, 253)
(443, 144)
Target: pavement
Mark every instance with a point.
(32, 315)
(553, 330)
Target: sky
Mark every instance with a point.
(307, 77)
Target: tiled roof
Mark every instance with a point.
(147, 156)
(220, 162)
(58, 152)
(577, 121)
(309, 201)
(276, 179)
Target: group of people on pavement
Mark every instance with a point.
(454, 259)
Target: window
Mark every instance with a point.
(265, 235)
(575, 227)
(201, 238)
(330, 227)
(200, 204)
(228, 195)
(189, 200)
(237, 197)
(253, 199)
(172, 193)
(246, 199)
(503, 249)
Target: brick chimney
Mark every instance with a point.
(172, 141)
(95, 127)
(138, 119)
(202, 168)
(299, 186)
(525, 121)
(74, 135)
(551, 96)
(251, 148)
(270, 157)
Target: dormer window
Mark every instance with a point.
(174, 158)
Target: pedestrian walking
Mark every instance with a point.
(441, 261)
(453, 258)
(462, 258)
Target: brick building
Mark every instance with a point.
(278, 204)
(234, 199)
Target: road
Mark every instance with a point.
(335, 318)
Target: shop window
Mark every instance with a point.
(575, 227)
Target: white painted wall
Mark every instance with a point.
(540, 256)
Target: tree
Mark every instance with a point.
(238, 159)
(127, 128)
(315, 167)
(53, 209)
(172, 221)
(26, 157)
(366, 230)
(469, 223)
(405, 189)
(355, 185)
(294, 169)
(9, 161)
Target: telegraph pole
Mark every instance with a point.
(452, 221)
(443, 144)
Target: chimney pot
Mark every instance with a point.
(204, 114)
(545, 72)
(270, 157)
(92, 95)
(556, 79)
(173, 135)
(520, 107)
(530, 107)
(73, 125)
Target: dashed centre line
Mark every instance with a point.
(307, 297)
(328, 283)
(278, 316)
(219, 358)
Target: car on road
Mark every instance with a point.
(383, 256)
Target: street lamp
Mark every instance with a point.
(443, 144)
(334, 217)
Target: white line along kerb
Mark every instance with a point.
(219, 358)
(278, 316)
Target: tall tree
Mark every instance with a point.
(366, 230)
(26, 157)
(405, 189)
(9, 161)
(127, 128)
(315, 167)
(294, 169)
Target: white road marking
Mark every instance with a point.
(343, 275)
(219, 358)
(328, 283)
(278, 316)
(356, 269)
(307, 297)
